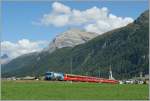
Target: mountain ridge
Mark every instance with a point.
(70, 38)
(125, 49)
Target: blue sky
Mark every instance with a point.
(17, 17)
(30, 26)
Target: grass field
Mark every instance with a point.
(45, 90)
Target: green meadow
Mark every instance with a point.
(49, 90)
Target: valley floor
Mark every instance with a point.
(48, 90)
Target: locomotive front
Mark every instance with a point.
(54, 76)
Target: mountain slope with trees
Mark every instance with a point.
(125, 50)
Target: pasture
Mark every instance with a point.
(49, 90)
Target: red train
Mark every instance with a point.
(69, 77)
(77, 78)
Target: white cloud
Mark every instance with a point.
(94, 19)
(21, 47)
(60, 8)
(56, 20)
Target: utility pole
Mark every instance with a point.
(110, 73)
(141, 74)
(86, 73)
(99, 72)
(71, 66)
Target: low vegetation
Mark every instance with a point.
(44, 90)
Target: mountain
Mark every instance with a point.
(70, 38)
(4, 59)
(4, 56)
(124, 49)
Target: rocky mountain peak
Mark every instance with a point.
(71, 38)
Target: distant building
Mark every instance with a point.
(28, 78)
(142, 79)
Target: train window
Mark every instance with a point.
(48, 73)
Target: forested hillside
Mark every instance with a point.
(124, 49)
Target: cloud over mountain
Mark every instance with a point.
(94, 19)
(21, 47)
